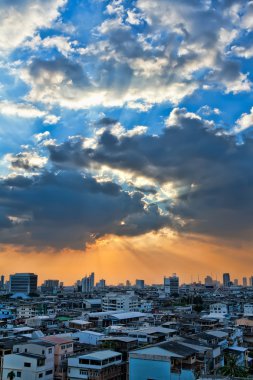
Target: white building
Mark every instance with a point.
(218, 310)
(145, 306)
(120, 302)
(27, 311)
(97, 365)
(30, 366)
(88, 337)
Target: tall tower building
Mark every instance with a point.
(244, 281)
(208, 281)
(226, 280)
(88, 283)
(171, 284)
(2, 282)
(140, 284)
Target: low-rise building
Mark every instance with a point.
(63, 348)
(99, 365)
(26, 366)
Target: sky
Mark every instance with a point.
(126, 138)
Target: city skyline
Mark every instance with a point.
(126, 137)
(203, 279)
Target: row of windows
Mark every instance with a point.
(66, 346)
(49, 372)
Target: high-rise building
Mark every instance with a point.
(23, 283)
(2, 282)
(226, 280)
(140, 284)
(171, 284)
(88, 283)
(50, 286)
(208, 281)
(244, 281)
(236, 282)
(251, 281)
(101, 284)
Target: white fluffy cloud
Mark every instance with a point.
(182, 47)
(244, 122)
(23, 110)
(20, 19)
(26, 161)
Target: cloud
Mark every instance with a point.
(207, 111)
(63, 44)
(41, 136)
(51, 119)
(182, 47)
(68, 210)
(21, 19)
(26, 161)
(242, 51)
(23, 110)
(210, 173)
(247, 18)
(244, 122)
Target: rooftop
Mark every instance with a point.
(57, 339)
(100, 355)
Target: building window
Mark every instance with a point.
(27, 364)
(18, 374)
(40, 375)
(50, 350)
(49, 372)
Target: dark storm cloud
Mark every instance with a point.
(67, 210)
(212, 172)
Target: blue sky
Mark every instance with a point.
(143, 106)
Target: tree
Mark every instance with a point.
(232, 369)
(11, 375)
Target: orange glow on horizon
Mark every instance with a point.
(149, 257)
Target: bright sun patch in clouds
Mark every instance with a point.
(126, 124)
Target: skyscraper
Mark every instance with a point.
(226, 279)
(50, 286)
(23, 283)
(2, 282)
(208, 281)
(140, 284)
(244, 281)
(88, 283)
(171, 284)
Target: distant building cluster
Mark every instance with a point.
(126, 332)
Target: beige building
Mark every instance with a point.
(63, 348)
